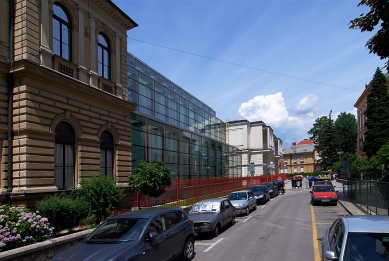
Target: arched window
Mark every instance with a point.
(64, 156)
(61, 32)
(103, 55)
(106, 154)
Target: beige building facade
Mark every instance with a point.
(64, 111)
(301, 158)
(361, 106)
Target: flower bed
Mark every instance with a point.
(20, 227)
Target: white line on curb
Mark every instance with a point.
(247, 219)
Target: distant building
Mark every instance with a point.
(261, 150)
(361, 106)
(301, 157)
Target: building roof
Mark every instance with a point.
(304, 146)
(306, 141)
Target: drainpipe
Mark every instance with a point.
(10, 83)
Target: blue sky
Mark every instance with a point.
(283, 62)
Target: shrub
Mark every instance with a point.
(20, 227)
(63, 210)
(101, 194)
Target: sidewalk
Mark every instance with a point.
(350, 207)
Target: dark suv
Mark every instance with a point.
(147, 234)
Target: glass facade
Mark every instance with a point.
(171, 125)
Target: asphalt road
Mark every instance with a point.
(285, 228)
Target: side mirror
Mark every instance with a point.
(150, 236)
(330, 255)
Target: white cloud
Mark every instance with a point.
(270, 109)
(307, 104)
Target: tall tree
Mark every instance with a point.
(346, 130)
(377, 114)
(318, 127)
(328, 144)
(378, 14)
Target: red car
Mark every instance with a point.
(324, 194)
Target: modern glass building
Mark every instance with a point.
(172, 125)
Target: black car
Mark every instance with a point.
(147, 234)
(261, 193)
(281, 186)
(272, 187)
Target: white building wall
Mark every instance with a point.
(238, 135)
(256, 140)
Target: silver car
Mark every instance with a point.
(210, 215)
(352, 238)
(244, 201)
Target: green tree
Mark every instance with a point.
(346, 130)
(378, 14)
(318, 127)
(150, 178)
(377, 114)
(101, 194)
(328, 144)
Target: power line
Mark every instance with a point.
(244, 66)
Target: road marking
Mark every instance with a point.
(263, 206)
(214, 244)
(316, 251)
(247, 219)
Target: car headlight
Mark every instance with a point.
(334, 197)
(241, 205)
(206, 225)
(271, 191)
(316, 197)
(260, 196)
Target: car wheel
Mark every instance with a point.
(255, 206)
(188, 251)
(335, 204)
(247, 211)
(216, 231)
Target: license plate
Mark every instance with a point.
(325, 200)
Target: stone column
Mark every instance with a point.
(82, 70)
(45, 51)
(93, 73)
(117, 80)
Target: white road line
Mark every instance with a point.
(247, 219)
(214, 244)
(263, 206)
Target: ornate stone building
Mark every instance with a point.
(64, 109)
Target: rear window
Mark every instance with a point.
(367, 246)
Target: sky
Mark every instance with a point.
(283, 62)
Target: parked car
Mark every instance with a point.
(351, 238)
(147, 234)
(281, 187)
(244, 201)
(272, 189)
(210, 215)
(324, 194)
(261, 193)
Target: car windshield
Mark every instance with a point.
(237, 196)
(269, 185)
(115, 231)
(205, 207)
(367, 246)
(323, 189)
(257, 189)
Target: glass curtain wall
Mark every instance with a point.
(171, 125)
(187, 154)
